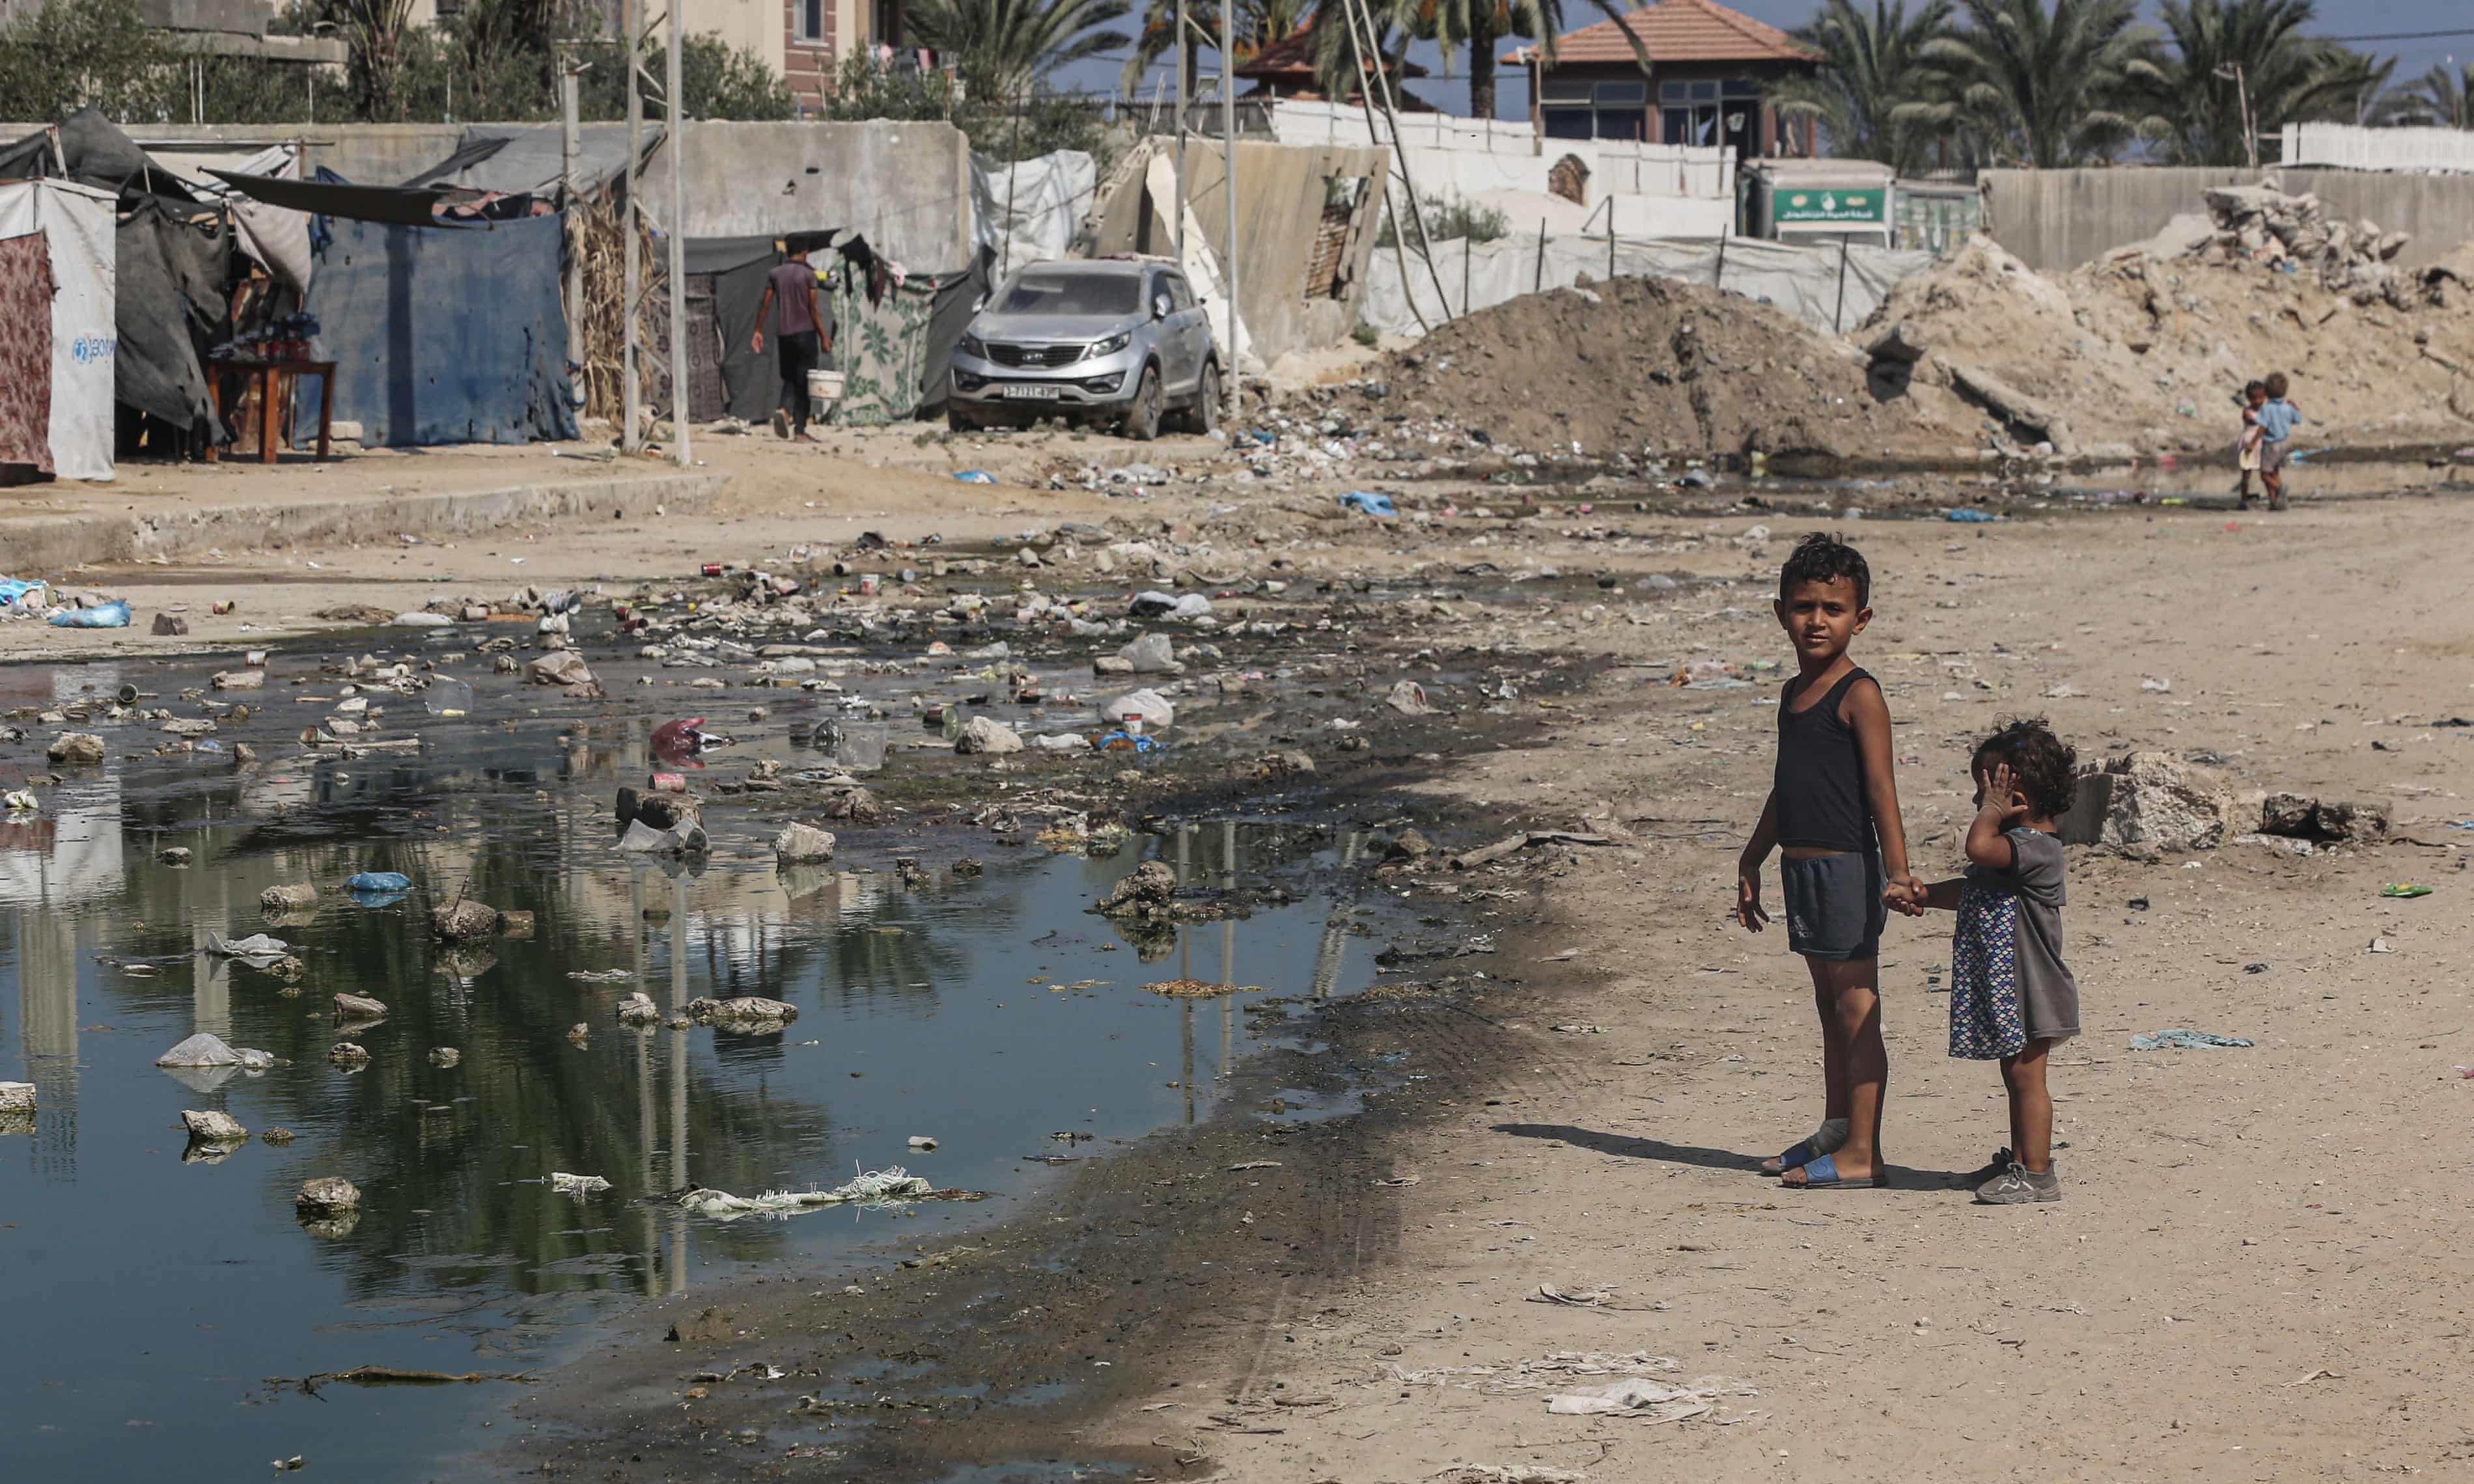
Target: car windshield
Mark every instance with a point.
(1071, 293)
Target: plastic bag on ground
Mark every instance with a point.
(1367, 502)
(379, 881)
(208, 1050)
(113, 614)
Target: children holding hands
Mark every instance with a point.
(1832, 815)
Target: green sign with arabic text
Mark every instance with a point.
(1867, 206)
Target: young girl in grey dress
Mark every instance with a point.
(2011, 996)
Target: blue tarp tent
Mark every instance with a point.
(444, 334)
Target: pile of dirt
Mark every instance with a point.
(2147, 351)
(1646, 367)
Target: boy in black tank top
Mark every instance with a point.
(1834, 813)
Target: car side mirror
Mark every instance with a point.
(1159, 306)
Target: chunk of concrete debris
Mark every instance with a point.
(213, 1128)
(293, 898)
(1409, 699)
(564, 668)
(445, 1056)
(639, 1009)
(240, 680)
(1289, 764)
(576, 1184)
(2302, 817)
(1112, 664)
(986, 735)
(1409, 844)
(359, 1007)
(1147, 886)
(174, 855)
(746, 1011)
(16, 1097)
(277, 1137)
(326, 1195)
(349, 1053)
(167, 624)
(76, 747)
(204, 1049)
(463, 919)
(800, 843)
(2148, 802)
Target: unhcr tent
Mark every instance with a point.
(171, 260)
(445, 334)
(55, 359)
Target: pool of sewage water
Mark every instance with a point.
(164, 1302)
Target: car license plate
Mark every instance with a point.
(1033, 393)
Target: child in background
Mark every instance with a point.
(2276, 419)
(2011, 997)
(2246, 446)
(1833, 812)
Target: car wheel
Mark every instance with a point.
(1204, 415)
(1143, 418)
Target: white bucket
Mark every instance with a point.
(824, 393)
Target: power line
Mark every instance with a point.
(2406, 35)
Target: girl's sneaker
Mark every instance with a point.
(2018, 1186)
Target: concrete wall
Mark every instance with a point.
(2055, 220)
(906, 187)
(1280, 195)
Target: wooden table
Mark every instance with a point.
(268, 374)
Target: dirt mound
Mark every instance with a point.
(2143, 353)
(1646, 365)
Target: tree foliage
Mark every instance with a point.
(2226, 53)
(1006, 48)
(1872, 62)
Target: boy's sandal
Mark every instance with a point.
(1822, 1174)
(1800, 1155)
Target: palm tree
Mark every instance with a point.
(1872, 62)
(2041, 80)
(1004, 47)
(2227, 52)
(2441, 97)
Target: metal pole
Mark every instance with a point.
(1837, 314)
(680, 359)
(570, 116)
(1538, 278)
(1718, 281)
(1229, 184)
(1179, 207)
(1358, 18)
(1465, 271)
(632, 279)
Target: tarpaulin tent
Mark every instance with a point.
(170, 255)
(445, 334)
(75, 223)
(893, 341)
(529, 159)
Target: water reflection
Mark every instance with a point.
(985, 1013)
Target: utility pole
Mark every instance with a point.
(1178, 206)
(1228, 182)
(571, 115)
(680, 359)
(631, 15)
(2242, 101)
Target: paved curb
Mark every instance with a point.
(50, 544)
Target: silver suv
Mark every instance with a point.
(1117, 342)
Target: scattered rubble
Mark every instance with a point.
(745, 1013)
(464, 920)
(2300, 816)
(2143, 803)
(802, 843)
(1142, 890)
(213, 1128)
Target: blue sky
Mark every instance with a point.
(2342, 19)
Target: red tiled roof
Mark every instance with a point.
(1677, 30)
(1293, 56)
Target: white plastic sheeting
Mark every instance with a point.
(1449, 155)
(76, 222)
(1803, 281)
(1029, 211)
